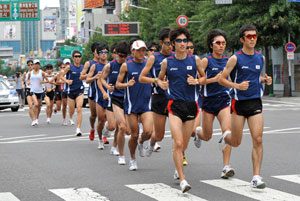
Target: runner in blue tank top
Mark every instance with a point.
(75, 88)
(92, 78)
(216, 99)
(245, 68)
(159, 99)
(109, 77)
(181, 71)
(137, 101)
(92, 88)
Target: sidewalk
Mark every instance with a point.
(295, 98)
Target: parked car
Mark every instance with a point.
(8, 98)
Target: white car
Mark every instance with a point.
(8, 98)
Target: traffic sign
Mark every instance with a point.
(293, 0)
(121, 29)
(290, 47)
(290, 56)
(182, 21)
(66, 51)
(19, 10)
(45, 62)
(223, 1)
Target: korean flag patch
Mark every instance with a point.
(257, 67)
(189, 67)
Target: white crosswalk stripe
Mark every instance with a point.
(291, 178)
(162, 192)
(78, 194)
(243, 188)
(8, 197)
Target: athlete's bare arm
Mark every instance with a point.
(90, 78)
(105, 73)
(162, 82)
(121, 76)
(143, 76)
(83, 74)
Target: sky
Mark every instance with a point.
(49, 3)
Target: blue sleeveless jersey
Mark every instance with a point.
(137, 97)
(113, 76)
(159, 57)
(92, 89)
(74, 74)
(177, 73)
(214, 66)
(248, 68)
(98, 68)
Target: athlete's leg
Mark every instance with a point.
(237, 125)
(30, 102)
(47, 100)
(121, 124)
(93, 114)
(159, 122)
(71, 103)
(64, 107)
(39, 107)
(35, 106)
(101, 119)
(147, 121)
(207, 126)
(111, 125)
(134, 127)
(255, 124)
(79, 102)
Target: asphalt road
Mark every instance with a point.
(49, 163)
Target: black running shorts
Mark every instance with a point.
(246, 108)
(159, 104)
(186, 111)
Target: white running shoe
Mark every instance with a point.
(197, 140)
(33, 123)
(132, 165)
(64, 122)
(121, 160)
(141, 130)
(176, 175)
(184, 186)
(156, 147)
(149, 150)
(257, 182)
(100, 145)
(78, 132)
(227, 172)
(141, 150)
(72, 122)
(114, 151)
(48, 121)
(222, 143)
(36, 122)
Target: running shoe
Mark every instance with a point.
(184, 186)
(121, 160)
(185, 163)
(132, 165)
(78, 132)
(222, 143)
(141, 130)
(105, 140)
(48, 121)
(197, 140)
(71, 122)
(54, 110)
(176, 175)
(141, 150)
(92, 134)
(149, 150)
(227, 172)
(36, 122)
(156, 147)
(65, 123)
(100, 145)
(257, 182)
(33, 123)
(114, 151)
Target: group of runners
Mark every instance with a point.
(134, 95)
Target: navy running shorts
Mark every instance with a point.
(215, 104)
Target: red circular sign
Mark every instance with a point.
(290, 47)
(182, 21)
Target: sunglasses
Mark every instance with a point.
(30, 64)
(167, 43)
(189, 47)
(152, 50)
(219, 43)
(250, 36)
(122, 55)
(61, 67)
(181, 40)
(77, 56)
(103, 52)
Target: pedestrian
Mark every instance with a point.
(20, 88)
(245, 68)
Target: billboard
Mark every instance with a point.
(99, 3)
(121, 29)
(50, 24)
(10, 32)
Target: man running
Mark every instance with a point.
(137, 101)
(245, 68)
(181, 71)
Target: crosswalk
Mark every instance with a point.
(164, 192)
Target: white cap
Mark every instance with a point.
(35, 61)
(66, 61)
(138, 44)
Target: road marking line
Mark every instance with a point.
(243, 188)
(291, 178)
(8, 197)
(282, 102)
(78, 194)
(162, 192)
(21, 137)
